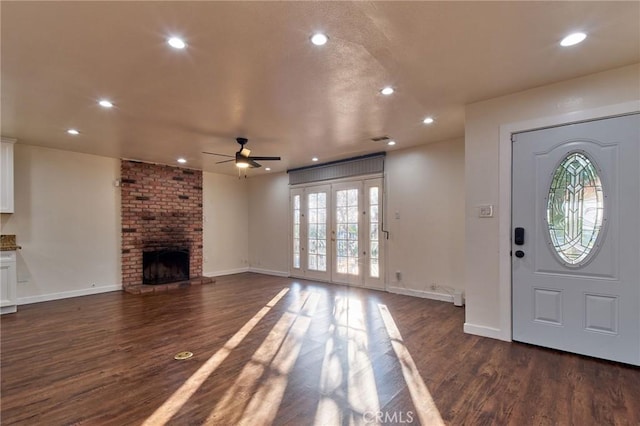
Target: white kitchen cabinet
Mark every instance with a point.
(6, 175)
(8, 282)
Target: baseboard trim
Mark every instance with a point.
(484, 331)
(68, 294)
(226, 272)
(269, 272)
(444, 297)
(8, 309)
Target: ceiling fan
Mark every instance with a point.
(242, 157)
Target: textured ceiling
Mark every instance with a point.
(249, 70)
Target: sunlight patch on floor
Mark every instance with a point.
(328, 411)
(264, 404)
(359, 394)
(172, 405)
(362, 390)
(232, 405)
(426, 409)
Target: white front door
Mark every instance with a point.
(576, 238)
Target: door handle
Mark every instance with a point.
(518, 237)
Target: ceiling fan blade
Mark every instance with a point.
(215, 153)
(253, 164)
(225, 161)
(264, 158)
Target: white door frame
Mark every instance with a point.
(504, 168)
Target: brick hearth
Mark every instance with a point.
(161, 207)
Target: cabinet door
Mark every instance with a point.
(6, 177)
(8, 281)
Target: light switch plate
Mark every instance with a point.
(485, 211)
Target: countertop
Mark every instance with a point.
(8, 243)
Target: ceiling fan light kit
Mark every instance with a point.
(243, 159)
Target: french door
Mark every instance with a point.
(336, 233)
(311, 237)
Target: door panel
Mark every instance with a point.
(575, 279)
(316, 247)
(347, 233)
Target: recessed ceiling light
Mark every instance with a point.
(319, 39)
(573, 39)
(387, 90)
(105, 103)
(392, 143)
(428, 120)
(268, 169)
(314, 159)
(176, 43)
(181, 160)
(73, 132)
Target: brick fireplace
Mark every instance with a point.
(161, 212)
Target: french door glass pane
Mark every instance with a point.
(322, 232)
(374, 235)
(347, 232)
(296, 231)
(375, 271)
(317, 231)
(322, 263)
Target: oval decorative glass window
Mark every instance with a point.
(575, 208)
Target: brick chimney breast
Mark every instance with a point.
(161, 207)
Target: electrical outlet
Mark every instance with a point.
(434, 287)
(398, 275)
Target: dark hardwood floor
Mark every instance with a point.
(270, 350)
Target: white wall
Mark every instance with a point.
(67, 220)
(487, 177)
(225, 230)
(269, 224)
(425, 187)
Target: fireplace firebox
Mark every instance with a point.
(165, 266)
